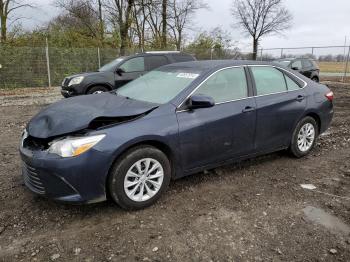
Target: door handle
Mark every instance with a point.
(300, 98)
(248, 109)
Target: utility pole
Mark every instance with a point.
(345, 61)
(346, 65)
(48, 62)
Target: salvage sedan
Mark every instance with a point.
(178, 120)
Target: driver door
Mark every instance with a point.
(130, 70)
(221, 132)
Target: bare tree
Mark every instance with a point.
(164, 23)
(7, 8)
(180, 14)
(83, 15)
(100, 18)
(120, 12)
(261, 17)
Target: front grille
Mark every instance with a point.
(65, 82)
(32, 179)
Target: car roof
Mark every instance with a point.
(294, 58)
(212, 64)
(151, 53)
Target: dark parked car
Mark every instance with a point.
(119, 72)
(174, 121)
(304, 66)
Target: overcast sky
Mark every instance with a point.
(315, 22)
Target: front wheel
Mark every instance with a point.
(97, 90)
(304, 137)
(139, 177)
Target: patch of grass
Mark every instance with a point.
(333, 67)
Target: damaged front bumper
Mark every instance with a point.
(67, 93)
(75, 180)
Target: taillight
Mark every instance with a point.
(329, 96)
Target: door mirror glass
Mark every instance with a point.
(200, 101)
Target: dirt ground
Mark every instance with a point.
(252, 211)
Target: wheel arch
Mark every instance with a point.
(315, 76)
(162, 146)
(317, 119)
(312, 114)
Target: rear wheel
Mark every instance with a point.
(315, 79)
(97, 90)
(304, 137)
(139, 177)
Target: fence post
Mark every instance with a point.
(346, 65)
(312, 51)
(48, 62)
(99, 57)
(261, 54)
(281, 52)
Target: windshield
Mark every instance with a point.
(283, 62)
(158, 87)
(111, 66)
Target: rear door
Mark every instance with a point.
(278, 109)
(131, 69)
(210, 135)
(155, 61)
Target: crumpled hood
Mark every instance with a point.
(76, 113)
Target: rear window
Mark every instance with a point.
(156, 61)
(307, 63)
(283, 62)
(182, 57)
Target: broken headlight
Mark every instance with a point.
(24, 136)
(74, 146)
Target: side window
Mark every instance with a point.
(297, 65)
(291, 84)
(307, 64)
(154, 62)
(268, 80)
(225, 85)
(182, 58)
(136, 64)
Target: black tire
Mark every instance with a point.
(120, 169)
(315, 79)
(294, 148)
(96, 89)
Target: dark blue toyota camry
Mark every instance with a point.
(177, 120)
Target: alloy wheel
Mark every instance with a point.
(143, 179)
(306, 137)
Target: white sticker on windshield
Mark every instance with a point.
(187, 75)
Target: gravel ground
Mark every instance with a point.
(252, 211)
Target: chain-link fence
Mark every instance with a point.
(44, 66)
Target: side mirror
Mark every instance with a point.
(295, 68)
(200, 101)
(119, 71)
